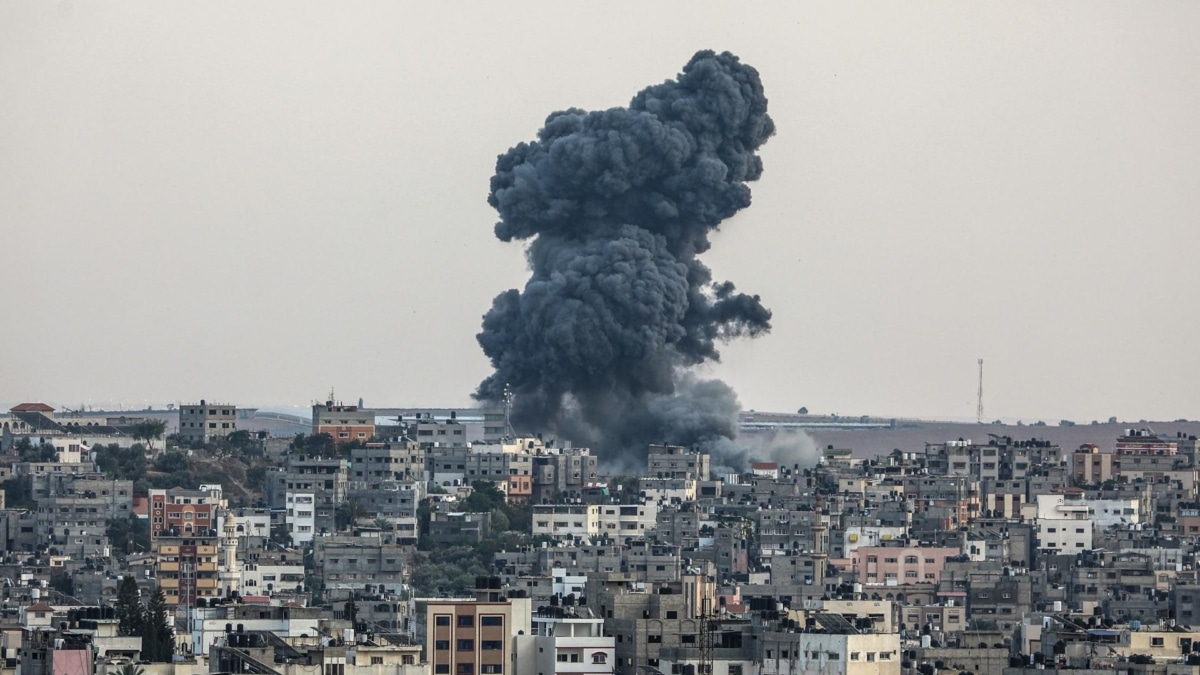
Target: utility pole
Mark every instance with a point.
(979, 404)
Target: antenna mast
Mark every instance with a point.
(508, 401)
(979, 405)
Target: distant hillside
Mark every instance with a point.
(912, 436)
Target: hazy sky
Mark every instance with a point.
(252, 202)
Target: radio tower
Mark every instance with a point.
(979, 404)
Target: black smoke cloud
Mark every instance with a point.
(618, 204)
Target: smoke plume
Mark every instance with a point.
(618, 204)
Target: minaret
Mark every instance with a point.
(229, 571)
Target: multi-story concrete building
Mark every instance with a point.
(1063, 522)
(325, 479)
(891, 565)
(184, 535)
(566, 521)
(1144, 442)
(379, 463)
(625, 521)
(301, 516)
(345, 423)
(568, 642)
(201, 422)
(474, 637)
(74, 510)
(1089, 466)
(349, 564)
(673, 461)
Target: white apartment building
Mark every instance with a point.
(832, 654)
(1108, 513)
(667, 490)
(566, 521)
(567, 643)
(268, 579)
(301, 516)
(1063, 524)
(628, 520)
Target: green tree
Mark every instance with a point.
(63, 583)
(485, 497)
(157, 629)
(256, 477)
(127, 535)
(130, 613)
(18, 493)
(148, 430)
(171, 462)
(122, 463)
(349, 513)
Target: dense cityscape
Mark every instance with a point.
(208, 538)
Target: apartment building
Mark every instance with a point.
(567, 641)
(344, 423)
(891, 565)
(202, 422)
(566, 521)
(475, 637)
(325, 479)
(350, 564)
(1063, 522)
(184, 536)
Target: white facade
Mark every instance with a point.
(68, 450)
(1106, 513)
(1063, 525)
(871, 535)
(835, 654)
(569, 646)
(628, 520)
(566, 521)
(301, 516)
(563, 583)
(267, 579)
(668, 490)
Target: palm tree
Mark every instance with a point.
(131, 669)
(349, 513)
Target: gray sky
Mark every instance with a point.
(255, 201)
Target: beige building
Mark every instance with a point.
(474, 637)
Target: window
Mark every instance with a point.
(441, 669)
(672, 614)
(466, 621)
(562, 658)
(1156, 642)
(466, 669)
(910, 560)
(377, 660)
(491, 668)
(466, 645)
(491, 621)
(654, 639)
(600, 658)
(441, 645)
(491, 645)
(688, 639)
(735, 669)
(854, 656)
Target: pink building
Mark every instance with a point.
(895, 565)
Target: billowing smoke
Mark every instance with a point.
(618, 204)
